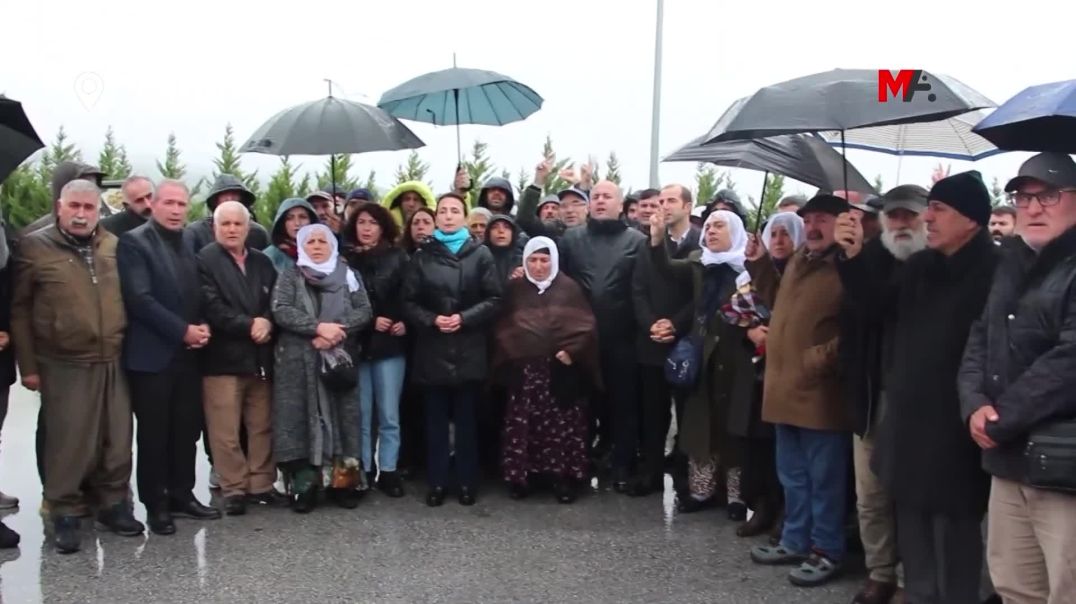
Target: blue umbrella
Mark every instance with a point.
(461, 96)
(1039, 118)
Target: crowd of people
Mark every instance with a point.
(910, 355)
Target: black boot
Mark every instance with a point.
(737, 511)
(645, 485)
(467, 496)
(303, 503)
(346, 498)
(120, 520)
(160, 521)
(761, 522)
(8, 537)
(435, 497)
(67, 534)
(235, 505)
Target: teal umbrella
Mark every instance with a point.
(461, 96)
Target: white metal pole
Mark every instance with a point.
(655, 120)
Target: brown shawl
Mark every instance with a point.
(534, 326)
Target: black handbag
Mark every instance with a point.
(1050, 456)
(339, 372)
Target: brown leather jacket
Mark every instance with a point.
(59, 310)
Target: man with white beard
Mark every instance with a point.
(865, 349)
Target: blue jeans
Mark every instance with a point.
(381, 381)
(813, 468)
(455, 404)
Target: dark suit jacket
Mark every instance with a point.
(232, 299)
(153, 298)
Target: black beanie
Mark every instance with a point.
(966, 193)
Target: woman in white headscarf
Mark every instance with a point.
(782, 236)
(320, 307)
(546, 356)
(720, 398)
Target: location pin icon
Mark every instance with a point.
(88, 88)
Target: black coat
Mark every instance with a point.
(382, 271)
(863, 331)
(438, 282)
(199, 234)
(231, 300)
(923, 452)
(657, 296)
(510, 257)
(1021, 356)
(122, 221)
(7, 355)
(601, 257)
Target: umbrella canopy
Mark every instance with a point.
(1039, 118)
(806, 158)
(329, 126)
(951, 138)
(841, 99)
(462, 96)
(18, 139)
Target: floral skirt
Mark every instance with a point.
(539, 436)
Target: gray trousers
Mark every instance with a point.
(942, 556)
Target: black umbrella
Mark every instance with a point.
(18, 140)
(843, 99)
(330, 126)
(1040, 118)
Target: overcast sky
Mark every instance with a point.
(193, 68)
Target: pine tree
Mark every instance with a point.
(612, 168)
(414, 169)
(524, 180)
(228, 162)
(478, 166)
(25, 196)
(707, 183)
(371, 184)
(774, 191)
(997, 194)
(343, 180)
(304, 187)
(555, 184)
(172, 166)
(281, 187)
(58, 152)
(113, 158)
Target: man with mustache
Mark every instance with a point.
(137, 191)
(802, 397)
(1002, 223)
(68, 318)
(866, 348)
(923, 454)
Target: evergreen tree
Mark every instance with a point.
(172, 166)
(414, 169)
(612, 168)
(113, 158)
(555, 184)
(25, 196)
(774, 191)
(281, 187)
(305, 186)
(228, 162)
(343, 180)
(478, 166)
(371, 184)
(58, 152)
(524, 180)
(997, 194)
(707, 183)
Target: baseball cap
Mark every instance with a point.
(362, 194)
(1054, 169)
(827, 204)
(573, 191)
(319, 195)
(907, 197)
(551, 198)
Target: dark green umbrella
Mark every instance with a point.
(18, 140)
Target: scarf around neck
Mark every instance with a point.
(331, 266)
(453, 241)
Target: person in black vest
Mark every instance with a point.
(162, 294)
(924, 455)
(601, 257)
(663, 311)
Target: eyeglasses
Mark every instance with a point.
(1050, 197)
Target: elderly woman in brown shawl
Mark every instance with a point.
(546, 345)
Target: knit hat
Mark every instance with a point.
(361, 194)
(966, 193)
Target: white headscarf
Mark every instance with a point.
(327, 267)
(736, 255)
(792, 223)
(534, 245)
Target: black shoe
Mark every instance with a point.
(371, 478)
(737, 511)
(8, 537)
(303, 503)
(160, 522)
(346, 498)
(686, 504)
(467, 496)
(192, 508)
(518, 491)
(435, 497)
(235, 505)
(390, 484)
(565, 491)
(120, 520)
(270, 497)
(641, 487)
(67, 534)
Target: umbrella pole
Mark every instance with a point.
(332, 178)
(844, 165)
(761, 201)
(459, 149)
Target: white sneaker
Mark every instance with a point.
(214, 479)
(8, 502)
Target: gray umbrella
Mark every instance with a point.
(329, 126)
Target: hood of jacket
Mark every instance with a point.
(497, 183)
(515, 232)
(277, 237)
(227, 182)
(390, 202)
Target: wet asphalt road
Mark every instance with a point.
(604, 548)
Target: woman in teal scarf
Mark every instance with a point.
(450, 297)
